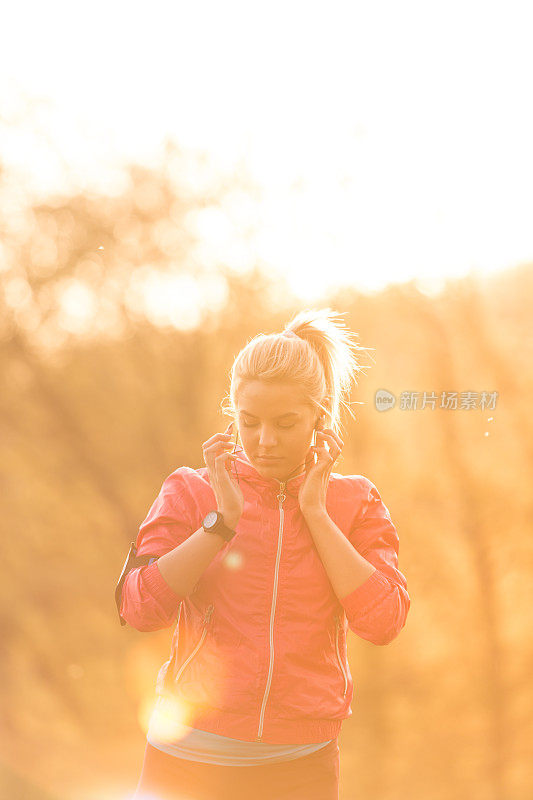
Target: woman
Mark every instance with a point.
(266, 557)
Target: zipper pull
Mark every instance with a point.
(282, 496)
(208, 614)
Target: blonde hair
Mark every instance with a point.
(321, 359)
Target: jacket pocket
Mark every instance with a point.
(337, 650)
(207, 618)
(170, 679)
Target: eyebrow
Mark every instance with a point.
(288, 414)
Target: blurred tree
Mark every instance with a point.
(100, 400)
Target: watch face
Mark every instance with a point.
(210, 519)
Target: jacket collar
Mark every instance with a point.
(249, 473)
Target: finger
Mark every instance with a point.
(330, 450)
(329, 435)
(224, 457)
(211, 454)
(331, 445)
(223, 463)
(323, 449)
(215, 449)
(325, 458)
(217, 446)
(218, 437)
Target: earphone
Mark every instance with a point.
(319, 424)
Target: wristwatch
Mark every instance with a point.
(213, 522)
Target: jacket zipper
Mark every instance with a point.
(281, 498)
(341, 665)
(173, 655)
(207, 617)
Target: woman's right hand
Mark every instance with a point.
(217, 458)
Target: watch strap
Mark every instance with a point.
(221, 528)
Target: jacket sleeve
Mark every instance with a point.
(148, 602)
(377, 609)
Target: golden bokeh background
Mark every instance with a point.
(119, 323)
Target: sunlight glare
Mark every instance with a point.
(169, 720)
(361, 170)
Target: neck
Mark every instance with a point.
(292, 474)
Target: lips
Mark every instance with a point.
(268, 458)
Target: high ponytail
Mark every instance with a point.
(321, 358)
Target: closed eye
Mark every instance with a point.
(248, 425)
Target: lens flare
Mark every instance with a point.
(170, 720)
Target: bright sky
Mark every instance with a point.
(388, 140)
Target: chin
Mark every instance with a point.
(266, 467)
(279, 470)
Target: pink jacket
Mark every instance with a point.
(259, 649)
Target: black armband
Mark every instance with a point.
(132, 561)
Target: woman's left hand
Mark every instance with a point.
(312, 494)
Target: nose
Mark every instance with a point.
(267, 439)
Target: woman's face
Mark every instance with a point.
(274, 420)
